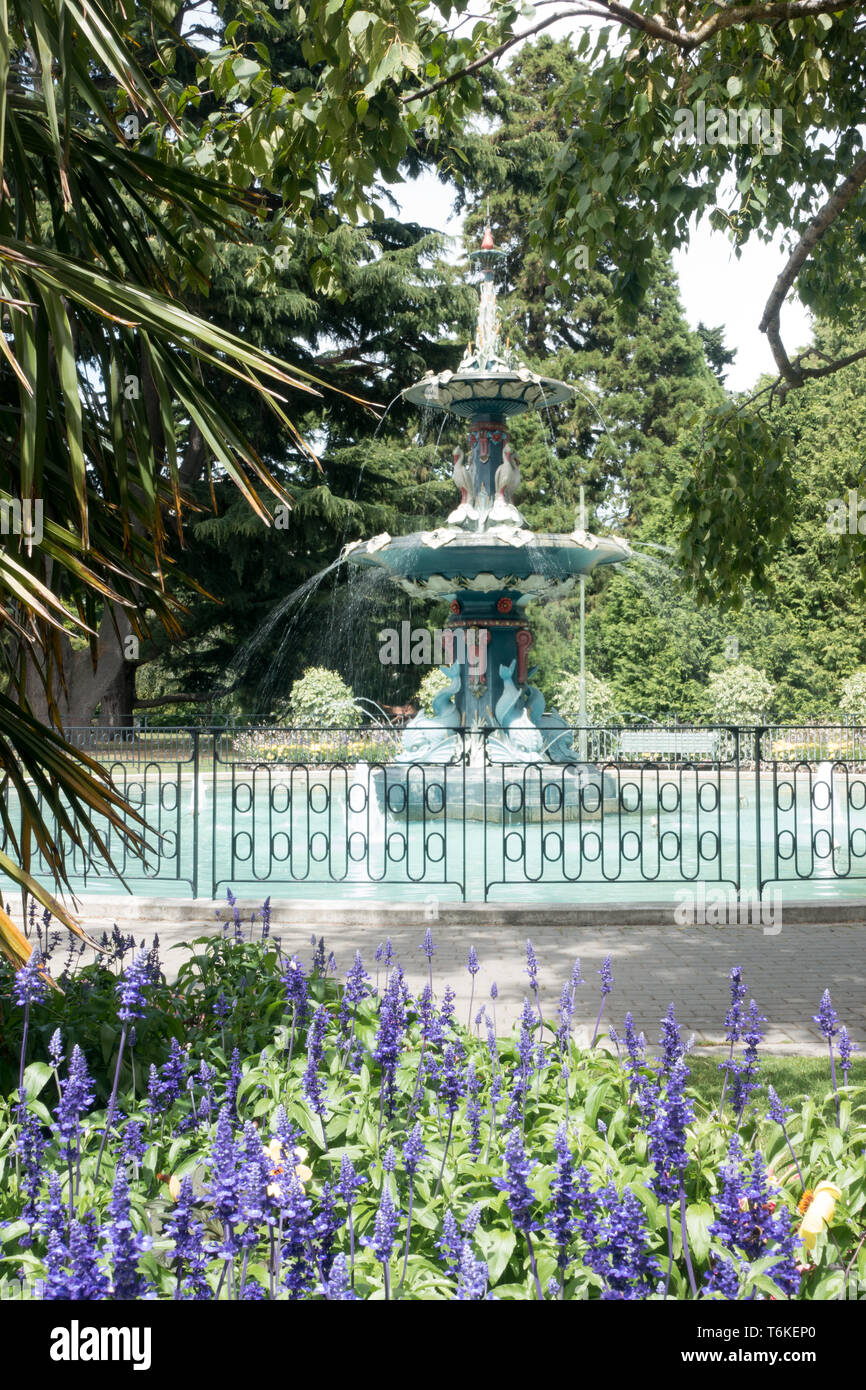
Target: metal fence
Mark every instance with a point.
(317, 810)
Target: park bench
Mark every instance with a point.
(694, 745)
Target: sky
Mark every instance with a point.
(716, 286)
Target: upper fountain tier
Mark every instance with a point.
(486, 547)
(490, 380)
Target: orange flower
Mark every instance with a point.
(805, 1201)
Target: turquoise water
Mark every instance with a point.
(323, 833)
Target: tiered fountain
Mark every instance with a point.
(489, 564)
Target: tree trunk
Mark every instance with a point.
(115, 710)
(83, 686)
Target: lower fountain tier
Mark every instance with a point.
(500, 559)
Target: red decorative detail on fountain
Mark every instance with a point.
(524, 640)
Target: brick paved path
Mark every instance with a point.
(652, 965)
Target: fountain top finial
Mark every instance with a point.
(490, 380)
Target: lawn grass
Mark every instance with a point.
(791, 1077)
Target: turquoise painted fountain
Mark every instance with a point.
(488, 563)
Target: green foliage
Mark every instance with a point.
(739, 695)
(737, 502)
(321, 699)
(600, 704)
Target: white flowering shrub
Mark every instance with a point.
(853, 698)
(321, 699)
(600, 704)
(433, 682)
(739, 695)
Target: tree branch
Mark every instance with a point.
(498, 52)
(793, 374)
(684, 39)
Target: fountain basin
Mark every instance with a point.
(510, 795)
(504, 558)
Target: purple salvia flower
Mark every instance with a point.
(337, 1286)
(451, 1085)
(384, 1234)
(846, 1047)
(520, 1195)
(744, 1082)
(449, 1243)
(471, 1220)
(622, 1260)
(827, 1018)
(446, 1013)
(29, 1148)
(131, 986)
(77, 1095)
(414, 1150)
(319, 958)
(233, 1081)
(749, 1229)
(473, 968)
(777, 1111)
(566, 1015)
(187, 1235)
(225, 1182)
(606, 974)
(471, 1276)
(607, 982)
(532, 967)
(670, 1041)
(312, 1084)
(389, 1040)
(474, 1108)
(325, 1226)
(562, 1221)
(124, 1244)
(521, 1198)
(55, 1049)
(29, 985)
(297, 1237)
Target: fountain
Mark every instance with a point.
(488, 563)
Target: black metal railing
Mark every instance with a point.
(315, 810)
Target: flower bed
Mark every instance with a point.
(263, 1130)
(256, 747)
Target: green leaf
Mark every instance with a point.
(699, 1218)
(36, 1078)
(497, 1247)
(245, 69)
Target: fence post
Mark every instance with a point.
(214, 743)
(195, 812)
(759, 731)
(736, 733)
